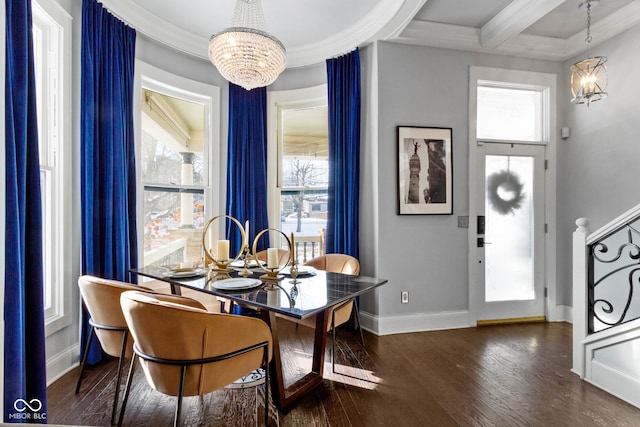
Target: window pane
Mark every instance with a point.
(172, 128)
(304, 178)
(48, 239)
(307, 220)
(169, 236)
(174, 176)
(509, 114)
(305, 149)
(49, 59)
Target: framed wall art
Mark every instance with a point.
(425, 182)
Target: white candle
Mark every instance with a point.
(246, 234)
(223, 250)
(272, 258)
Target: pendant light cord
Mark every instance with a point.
(588, 39)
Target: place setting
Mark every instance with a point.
(303, 270)
(236, 284)
(185, 272)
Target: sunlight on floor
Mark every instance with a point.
(352, 376)
(344, 374)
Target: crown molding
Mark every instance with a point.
(388, 17)
(158, 29)
(391, 20)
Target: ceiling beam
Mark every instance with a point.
(514, 19)
(459, 37)
(524, 45)
(608, 27)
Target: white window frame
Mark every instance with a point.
(277, 101)
(53, 26)
(157, 80)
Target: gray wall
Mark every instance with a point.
(425, 255)
(599, 176)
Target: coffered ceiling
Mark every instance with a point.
(314, 30)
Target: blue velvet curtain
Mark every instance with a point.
(247, 164)
(25, 377)
(343, 77)
(108, 179)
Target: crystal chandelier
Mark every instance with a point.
(245, 54)
(589, 76)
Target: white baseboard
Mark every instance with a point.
(561, 313)
(62, 363)
(617, 383)
(414, 322)
(422, 322)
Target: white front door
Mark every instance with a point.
(508, 249)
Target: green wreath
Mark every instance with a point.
(510, 184)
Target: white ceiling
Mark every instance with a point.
(314, 30)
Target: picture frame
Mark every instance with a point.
(425, 170)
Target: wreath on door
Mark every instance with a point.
(505, 192)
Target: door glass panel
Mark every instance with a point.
(509, 259)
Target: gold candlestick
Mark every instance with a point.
(221, 265)
(245, 272)
(271, 273)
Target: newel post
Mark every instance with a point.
(580, 294)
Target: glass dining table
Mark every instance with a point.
(308, 295)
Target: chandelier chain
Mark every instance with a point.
(588, 39)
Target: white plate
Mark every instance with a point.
(240, 263)
(303, 270)
(179, 273)
(236, 284)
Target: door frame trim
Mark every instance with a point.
(552, 311)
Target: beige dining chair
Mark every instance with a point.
(101, 298)
(188, 351)
(339, 313)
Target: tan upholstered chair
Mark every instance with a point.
(338, 314)
(187, 351)
(336, 263)
(102, 299)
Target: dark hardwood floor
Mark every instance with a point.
(509, 375)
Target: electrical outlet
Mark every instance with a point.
(404, 297)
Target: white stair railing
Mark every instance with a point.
(605, 351)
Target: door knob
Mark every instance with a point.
(481, 242)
